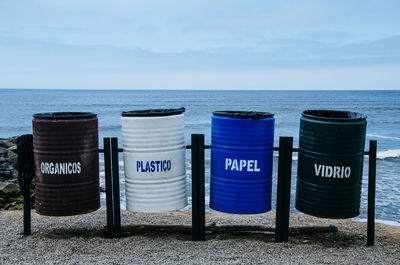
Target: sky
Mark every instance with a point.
(181, 44)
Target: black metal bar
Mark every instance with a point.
(288, 173)
(26, 173)
(27, 207)
(198, 203)
(116, 199)
(109, 189)
(205, 147)
(283, 190)
(101, 150)
(371, 193)
(293, 149)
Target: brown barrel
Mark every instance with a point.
(65, 146)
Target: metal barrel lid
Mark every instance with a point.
(64, 115)
(153, 112)
(254, 115)
(334, 115)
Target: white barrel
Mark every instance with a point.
(154, 160)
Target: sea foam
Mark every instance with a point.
(394, 153)
(383, 136)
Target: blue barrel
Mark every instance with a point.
(241, 161)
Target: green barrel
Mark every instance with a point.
(330, 165)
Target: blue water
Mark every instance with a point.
(381, 107)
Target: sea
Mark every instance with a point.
(382, 108)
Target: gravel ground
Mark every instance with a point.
(80, 240)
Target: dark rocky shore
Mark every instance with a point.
(10, 192)
(10, 197)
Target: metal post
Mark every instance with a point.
(26, 173)
(283, 190)
(371, 193)
(27, 207)
(116, 199)
(198, 203)
(109, 189)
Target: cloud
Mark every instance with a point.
(53, 58)
(131, 40)
(177, 25)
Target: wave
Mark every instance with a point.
(394, 153)
(383, 137)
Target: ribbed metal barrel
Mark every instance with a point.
(241, 161)
(154, 160)
(65, 146)
(330, 163)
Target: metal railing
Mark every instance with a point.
(198, 228)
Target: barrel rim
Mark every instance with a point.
(153, 112)
(254, 115)
(64, 115)
(333, 115)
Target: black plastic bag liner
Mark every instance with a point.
(153, 112)
(254, 115)
(334, 115)
(64, 115)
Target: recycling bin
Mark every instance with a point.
(154, 159)
(241, 161)
(66, 162)
(330, 163)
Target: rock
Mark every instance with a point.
(12, 158)
(9, 193)
(4, 143)
(3, 151)
(12, 206)
(13, 149)
(10, 197)
(13, 140)
(5, 174)
(9, 188)
(14, 175)
(4, 166)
